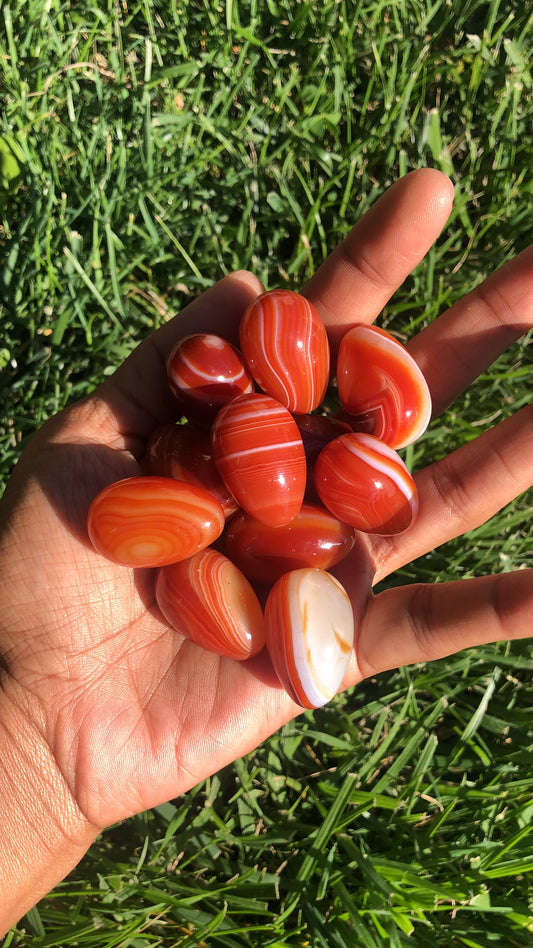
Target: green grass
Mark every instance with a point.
(147, 148)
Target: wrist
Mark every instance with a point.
(43, 832)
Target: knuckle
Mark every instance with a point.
(365, 267)
(498, 309)
(421, 620)
(450, 486)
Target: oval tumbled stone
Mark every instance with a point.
(285, 346)
(152, 521)
(381, 387)
(260, 456)
(309, 635)
(208, 600)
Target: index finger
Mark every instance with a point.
(360, 276)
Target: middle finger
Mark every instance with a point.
(454, 349)
(462, 491)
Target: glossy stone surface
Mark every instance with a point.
(152, 521)
(365, 483)
(285, 346)
(204, 372)
(314, 538)
(259, 455)
(310, 634)
(184, 452)
(381, 387)
(208, 600)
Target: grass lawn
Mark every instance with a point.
(146, 149)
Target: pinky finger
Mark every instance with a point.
(420, 623)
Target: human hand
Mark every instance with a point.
(121, 712)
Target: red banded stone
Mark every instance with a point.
(152, 521)
(309, 635)
(259, 453)
(314, 538)
(381, 387)
(208, 600)
(285, 346)
(365, 483)
(204, 372)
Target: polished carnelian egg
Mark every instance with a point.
(285, 346)
(309, 635)
(264, 553)
(208, 600)
(260, 456)
(381, 387)
(152, 521)
(365, 483)
(204, 372)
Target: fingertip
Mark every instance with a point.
(435, 176)
(447, 188)
(430, 190)
(247, 279)
(444, 190)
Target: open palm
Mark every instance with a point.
(132, 713)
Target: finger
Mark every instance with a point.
(136, 399)
(465, 340)
(360, 276)
(462, 491)
(421, 623)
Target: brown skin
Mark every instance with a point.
(104, 711)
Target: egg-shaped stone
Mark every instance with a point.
(285, 346)
(314, 538)
(259, 454)
(184, 452)
(365, 483)
(208, 600)
(151, 521)
(309, 635)
(204, 372)
(381, 387)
